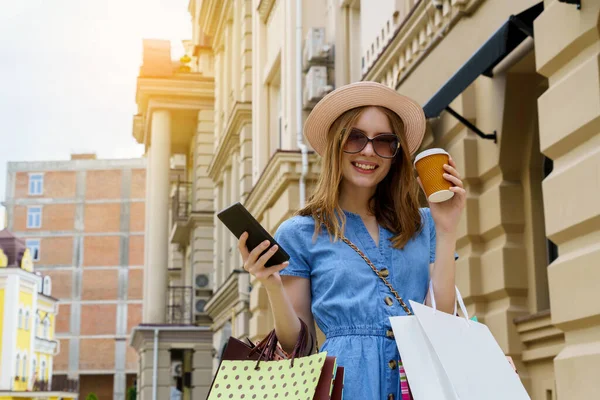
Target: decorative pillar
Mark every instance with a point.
(157, 205)
(566, 49)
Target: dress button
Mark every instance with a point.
(388, 300)
(391, 396)
(393, 364)
(389, 333)
(384, 272)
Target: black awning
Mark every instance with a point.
(514, 31)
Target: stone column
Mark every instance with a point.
(157, 207)
(566, 48)
(146, 380)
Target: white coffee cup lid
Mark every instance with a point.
(430, 152)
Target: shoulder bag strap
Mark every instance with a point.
(364, 257)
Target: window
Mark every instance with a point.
(34, 248)
(36, 184)
(33, 367)
(46, 334)
(20, 319)
(24, 367)
(26, 324)
(18, 366)
(37, 325)
(34, 217)
(47, 288)
(43, 371)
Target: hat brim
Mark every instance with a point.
(362, 94)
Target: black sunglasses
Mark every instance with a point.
(385, 145)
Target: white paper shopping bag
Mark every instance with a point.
(472, 359)
(426, 377)
(448, 357)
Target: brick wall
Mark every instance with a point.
(82, 214)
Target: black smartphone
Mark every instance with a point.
(239, 220)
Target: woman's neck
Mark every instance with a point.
(356, 200)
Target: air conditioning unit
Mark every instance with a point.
(199, 306)
(178, 161)
(316, 86)
(202, 281)
(316, 50)
(177, 369)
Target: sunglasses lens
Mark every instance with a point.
(386, 145)
(356, 142)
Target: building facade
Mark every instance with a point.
(27, 328)
(83, 221)
(175, 124)
(510, 89)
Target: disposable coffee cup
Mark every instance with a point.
(430, 167)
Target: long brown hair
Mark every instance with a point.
(395, 203)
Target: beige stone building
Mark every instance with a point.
(511, 88)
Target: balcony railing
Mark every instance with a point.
(179, 305)
(181, 201)
(59, 384)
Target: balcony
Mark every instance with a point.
(45, 346)
(180, 213)
(179, 305)
(60, 383)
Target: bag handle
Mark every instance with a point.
(268, 346)
(396, 295)
(459, 300)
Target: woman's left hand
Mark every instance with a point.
(446, 214)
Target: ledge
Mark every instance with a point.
(282, 169)
(38, 394)
(143, 335)
(541, 339)
(264, 9)
(224, 299)
(241, 115)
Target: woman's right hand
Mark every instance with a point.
(254, 263)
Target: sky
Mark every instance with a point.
(68, 73)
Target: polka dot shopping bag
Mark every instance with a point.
(266, 372)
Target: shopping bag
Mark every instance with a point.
(453, 358)
(249, 371)
(274, 379)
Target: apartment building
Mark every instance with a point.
(510, 89)
(83, 222)
(28, 314)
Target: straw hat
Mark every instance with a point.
(361, 94)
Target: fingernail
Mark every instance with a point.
(286, 263)
(274, 248)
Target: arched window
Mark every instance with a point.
(18, 368)
(43, 371)
(47, 288)
(20, 320)
(37, 325)
(26, 320)
(33, 367)
(46, 333)
(24, 367)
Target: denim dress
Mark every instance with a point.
(350, 304)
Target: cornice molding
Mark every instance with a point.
(213, 14)
(240, 116)
(226, 298)
(284, 168)
(142, 336)
(264, 9)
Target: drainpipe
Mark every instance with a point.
(155, 366)
(299, 139)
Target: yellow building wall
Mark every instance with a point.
(24, 340)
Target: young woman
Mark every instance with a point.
(367, 194)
